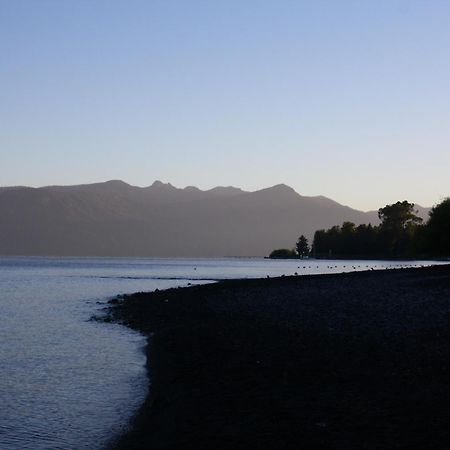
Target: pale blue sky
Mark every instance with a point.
(349, 99)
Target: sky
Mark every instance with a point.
(347, 99)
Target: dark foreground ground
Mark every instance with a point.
(350, 361)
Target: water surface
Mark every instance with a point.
(69, 382)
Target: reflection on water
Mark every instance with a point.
(68, 382)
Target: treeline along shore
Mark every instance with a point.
(348, 361)
(401, 234)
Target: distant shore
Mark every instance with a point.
(350, 361)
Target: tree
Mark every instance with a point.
(399, 223)
(347, 239)
(366, 241)
(319, 244)
(438, 228)
(398, 216)
(302, 246)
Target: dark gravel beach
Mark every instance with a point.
(349, 361)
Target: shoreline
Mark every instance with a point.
(336, 361)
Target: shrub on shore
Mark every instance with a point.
(283, 253)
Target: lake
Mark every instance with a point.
(69, 382)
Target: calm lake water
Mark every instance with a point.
(68, 382)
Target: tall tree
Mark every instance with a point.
(438, 228)
(398, 216)
(398, 225)
(302, 246)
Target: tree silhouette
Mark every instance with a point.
(398, 216)
(302, 246)
(398, 225)
(438, 228)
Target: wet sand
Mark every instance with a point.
(349, 361)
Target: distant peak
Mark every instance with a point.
(191, 189)
(283, 188)
(160, 184)
(278, 191)
(116, 183)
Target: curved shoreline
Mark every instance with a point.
(347, 361)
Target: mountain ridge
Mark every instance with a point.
(114, 218)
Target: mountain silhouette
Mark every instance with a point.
(116, 219)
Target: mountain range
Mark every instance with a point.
(116, 219)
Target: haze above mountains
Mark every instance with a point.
(116, 219)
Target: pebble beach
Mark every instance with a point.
(343, 361)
